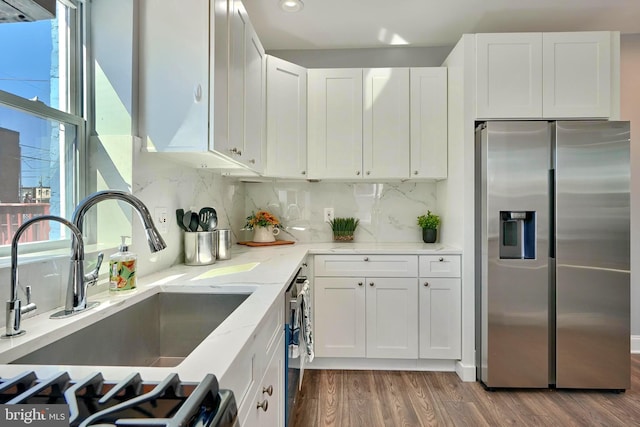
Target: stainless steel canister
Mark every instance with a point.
(224, 243)
(199, 248)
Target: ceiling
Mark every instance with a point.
(340, 24)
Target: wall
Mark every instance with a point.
(388, 212)
(630, 110)
(371, 57)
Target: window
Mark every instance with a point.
(42, 129)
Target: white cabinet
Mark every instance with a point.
(385, 123)
(377, 123)
(335, 123)
(576, 70)
(339, 317)
(509, 75)
(374, 315)
(174, 75)
(392, 317)
(429, 122)
(286, 119)
(247, 91)
(440, 307)
(543, 75)
(267, 404)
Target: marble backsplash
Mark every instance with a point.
(388, 212)
(161, 183)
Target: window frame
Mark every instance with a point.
(79, 85)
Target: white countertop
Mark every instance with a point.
(276, 266)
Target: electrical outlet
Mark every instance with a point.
(161, 220)
(328, 214)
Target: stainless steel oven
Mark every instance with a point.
(295, 345)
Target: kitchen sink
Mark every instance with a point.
(159, 331)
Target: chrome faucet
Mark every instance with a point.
(76, 299)
(15, 311)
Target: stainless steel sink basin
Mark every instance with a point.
(159, 331)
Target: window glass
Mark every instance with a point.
(34, 59)
(41, 129)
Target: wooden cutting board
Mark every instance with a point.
(276, 243)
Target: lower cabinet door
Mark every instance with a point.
(268, 399)
(440, 318)
(339, 321)
(392, 318)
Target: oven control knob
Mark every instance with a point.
(264, 405)
(268, 390)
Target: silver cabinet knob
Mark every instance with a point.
(357, 172)
(368, 172)
(366, 258)
(441, 259)
(268, 390)
(359, 283)
(252, 161)
(264, 405)
(415, 172)
(303, 172)
(426, 284)
(371, 283)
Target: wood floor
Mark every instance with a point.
(385, 399)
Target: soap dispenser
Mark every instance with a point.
(122, 268)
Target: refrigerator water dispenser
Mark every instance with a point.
(517, 234)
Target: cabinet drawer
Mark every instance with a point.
(366, 265)
(439, 266)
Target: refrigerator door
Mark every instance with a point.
(514, 163)
(592, 255)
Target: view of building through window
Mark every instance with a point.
(37, 143)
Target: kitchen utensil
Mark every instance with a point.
(200, 248)
(186, 220)
(213, 222)
(195, 222)
(180, 219)
(223, 239)
(204, 215)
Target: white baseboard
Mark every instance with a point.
(467, 373)
(382, 364)
(635, 344)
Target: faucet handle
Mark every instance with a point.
(29, 309)
(91, 278)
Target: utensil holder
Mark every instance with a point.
(200, 248)
(223, 239)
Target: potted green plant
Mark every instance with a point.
(429, 224)
(343, 228)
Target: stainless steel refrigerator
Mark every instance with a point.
(552, 254)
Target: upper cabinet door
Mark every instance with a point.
(174, 71)
(429, 122)
(577, 74)
(335, 123)
(255, 101)
(385, 123)
(238, 21)
(286, 119)
(509, 75)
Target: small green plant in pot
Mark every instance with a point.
(343, 228)
(429, 224)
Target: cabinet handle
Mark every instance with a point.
(268, 390)
(426, 284)
(441, 259)
(252, 161)
(370, 283)
(368, 172)
(264, 405)
(415, 172)
(366, 258)
(359, 283)
(357, 172)
(303, 172)
(304, 264)
(234, 150)
(197, 93)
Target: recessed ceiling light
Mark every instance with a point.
(291, 5)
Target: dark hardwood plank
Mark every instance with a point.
(397, 398)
